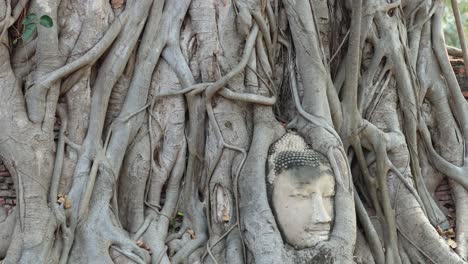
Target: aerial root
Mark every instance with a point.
(100, 228)
(210, 91)
(454, 172)
(184, 253)
(89, 57)
(210, 247)
(129, 247)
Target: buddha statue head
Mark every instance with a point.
(302, 190)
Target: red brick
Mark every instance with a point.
(444, 197)
(443, 187)
(443, 193)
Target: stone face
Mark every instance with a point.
(302, 193)
(303, 204)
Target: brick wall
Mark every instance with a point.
(443, 194)
(462, 77)
(7, 190)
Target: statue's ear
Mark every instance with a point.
(339, 164)
(271, 177)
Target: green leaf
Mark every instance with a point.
(46, 21)
(29, 19)
(180, 214)
(172, 223)
(28, 31)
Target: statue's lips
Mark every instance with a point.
(311, 236)
(318, 230)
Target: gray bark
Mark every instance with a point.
(167, 111)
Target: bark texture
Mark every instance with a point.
(139, 131)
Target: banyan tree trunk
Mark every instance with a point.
(141, 131)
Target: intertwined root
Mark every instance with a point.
(223, 57)
(100, 239)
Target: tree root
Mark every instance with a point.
(189, 248)
(7, 226)
(97, 234)
(456, 173)
(88, 59)
(369, 231)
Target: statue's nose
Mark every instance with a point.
(320, 214)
